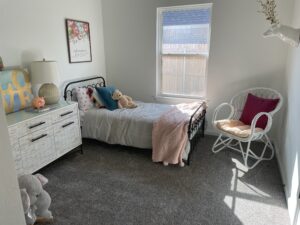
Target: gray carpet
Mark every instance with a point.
(114, 185)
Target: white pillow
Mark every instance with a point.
(85, 102)
(99, 103)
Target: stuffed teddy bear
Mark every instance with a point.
(124, 101)
(39, 199)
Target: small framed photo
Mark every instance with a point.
(79, 41)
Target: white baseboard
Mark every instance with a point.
(281, 167)
(211, 132)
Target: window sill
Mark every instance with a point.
(175, 100)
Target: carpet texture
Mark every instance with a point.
(115, 185)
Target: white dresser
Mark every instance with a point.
(38, 139)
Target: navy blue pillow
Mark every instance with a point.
(105, 94)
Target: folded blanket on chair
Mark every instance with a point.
(169, 134)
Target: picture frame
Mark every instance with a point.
(79, 41)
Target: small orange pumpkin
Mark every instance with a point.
(38, 102)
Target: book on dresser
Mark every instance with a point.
(38, 139)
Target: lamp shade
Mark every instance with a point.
(43, 72)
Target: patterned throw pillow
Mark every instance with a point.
(84, 98)
(15, 88)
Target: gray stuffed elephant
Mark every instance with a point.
(30, 216)
(39, 199)
(42, 205)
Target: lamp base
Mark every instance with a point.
(50, 93)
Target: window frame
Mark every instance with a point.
(159, 54)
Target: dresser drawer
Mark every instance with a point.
(38, 139)
(17, 157)
(66, 124)
(13, 134)
(35, 147)
(36, 124)
(65, 113)
(67, 135)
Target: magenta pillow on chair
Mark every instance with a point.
(255, 105)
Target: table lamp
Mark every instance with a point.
(46, 73)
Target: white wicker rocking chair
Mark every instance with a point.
(236, 106)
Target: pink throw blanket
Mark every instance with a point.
(169, 134)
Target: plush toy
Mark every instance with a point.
(38, 102)
(30, 216)
(39, 199)
(124, 101)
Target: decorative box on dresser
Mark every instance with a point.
(38, 139)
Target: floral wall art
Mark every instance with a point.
(79, 41)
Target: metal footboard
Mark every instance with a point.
(196, 129)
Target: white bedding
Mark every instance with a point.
(129, 127)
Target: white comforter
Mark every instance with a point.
(130, 127)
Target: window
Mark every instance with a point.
(183, 36)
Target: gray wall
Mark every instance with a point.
(33, 30)
(239, 56)
(290, 142)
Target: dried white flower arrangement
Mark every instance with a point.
(268, 8)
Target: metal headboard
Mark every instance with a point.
(69, 89)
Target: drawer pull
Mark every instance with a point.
(65, 114)
(66, 125)
(36, 125)
(38, 138)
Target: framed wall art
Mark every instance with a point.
(79, 41)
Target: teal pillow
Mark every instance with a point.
(105, 94)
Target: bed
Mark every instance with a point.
(131, 127)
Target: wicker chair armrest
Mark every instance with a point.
(257, 117)
(217, 110)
